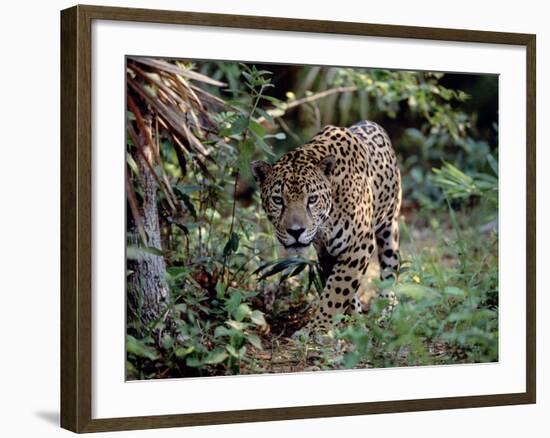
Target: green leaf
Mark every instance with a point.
(255, 341)
(493, 163)
(177, 272)
(187, 202)
(131, 370)
(247, 149)
(181, 307)
(221, 331)
(138, 348)
(220, 290)
(167, 342)
(240, 326)
(238, 126)
(241, 312)
(132, 163)
(257, 317)
(216, 356)
(262, 144)
(257, 129)
(414, 291)
(182, 351)
(233, 301)
(271, 99)
(454, 292)
(137, 252)
(294, 272)
(351, 359)
(232, 244)
(232, 351)
(278, 266)
(464, 315)
(194, 362)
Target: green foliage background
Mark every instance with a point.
(234, 303)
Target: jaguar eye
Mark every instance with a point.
(277, 200)
(312, 199)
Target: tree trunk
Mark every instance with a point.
(147, 287)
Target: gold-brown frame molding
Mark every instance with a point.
(76, 213)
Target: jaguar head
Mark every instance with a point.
(296, 196)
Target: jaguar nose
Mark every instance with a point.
(295, 232)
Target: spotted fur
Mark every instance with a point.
(341, 192)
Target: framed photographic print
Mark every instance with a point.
(268, 218)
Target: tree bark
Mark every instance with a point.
(147, 286)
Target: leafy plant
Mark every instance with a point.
(458, 185)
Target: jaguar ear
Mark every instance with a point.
(327, 164)
(260, 170)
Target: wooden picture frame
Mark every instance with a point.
(76, 218)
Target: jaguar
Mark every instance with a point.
(341, 193)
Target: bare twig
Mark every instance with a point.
(275, 112)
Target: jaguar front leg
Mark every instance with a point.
(387, 239)
(342, 285)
